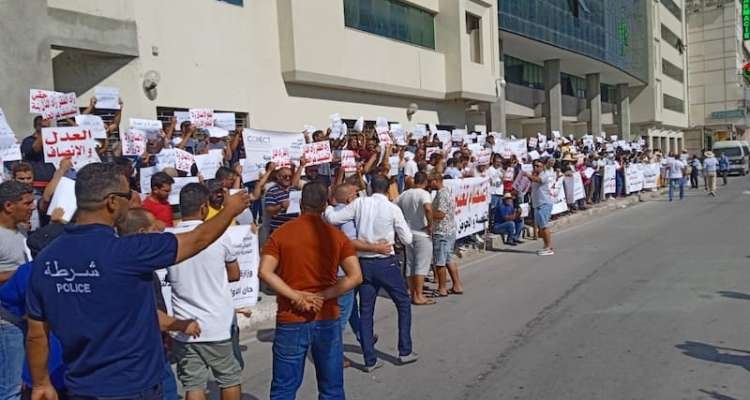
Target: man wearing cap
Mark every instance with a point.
(710, 166)
(508, 221)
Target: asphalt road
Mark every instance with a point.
(650, 302)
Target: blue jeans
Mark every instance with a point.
(349, 312)
(383, 273)
(12, 354)
(512, 229)
(169, 384)
(619, 184)
(597, 188)
(154, 393)
(291, 343)
(680, 182)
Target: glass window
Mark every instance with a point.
(392, 19)
(235, 2)
(524, 73)
(672, 71)
(729, 151)
(674, 104)
(673, 8)
(474, 31)
(671, 38)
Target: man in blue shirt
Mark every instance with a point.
(94, 291)
(508, 221)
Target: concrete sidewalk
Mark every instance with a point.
(265, 310)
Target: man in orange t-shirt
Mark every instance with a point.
(300, 263)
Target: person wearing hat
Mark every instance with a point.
(508, 221)
(710, 168)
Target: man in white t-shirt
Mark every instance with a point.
(675, 172)
(416, 204)
(200, 291)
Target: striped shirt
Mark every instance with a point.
(274, 197)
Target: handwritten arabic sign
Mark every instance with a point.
(245, 246)
(133, 142)
(472, 199)
(201, 117)
(61, 142)
(53, 105)
(317, 153)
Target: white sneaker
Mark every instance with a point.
(478, 239)
(545, 252)
(409, 358)
(378, 364)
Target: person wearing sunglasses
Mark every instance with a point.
(277, 197)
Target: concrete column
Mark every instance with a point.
(650, 142)
(594, 103)
(552, 96)
(496, 112)
(623, 111)
(667, 147)
(25, 60)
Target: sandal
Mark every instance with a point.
(435, 293)
(428, 302)
(451, 291)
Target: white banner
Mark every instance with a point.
(227, 121)
(53, 105)
(245, 244)
(634, 178)
(260, 145)
(651, 174)
(574, 189)
(609, 183)
(472, 202)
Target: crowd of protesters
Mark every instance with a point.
(81, 303)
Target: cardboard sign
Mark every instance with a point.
(65, 198)
(179, 183)
(208, 164)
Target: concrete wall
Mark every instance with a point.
(25, 59)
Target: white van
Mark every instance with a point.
(738, 152)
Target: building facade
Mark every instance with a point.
(590, 66)
(717, 51)
(521, 67)
(282, 64)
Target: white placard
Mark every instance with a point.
(183, 160)
(260, 146)
(65, 198)
(145, 178)
(180, 117)
(245, 246)
(179, 183)
(107, 97)
(249, 171)
(133, 142)
(317, 153)
(609, 182)
(216, 132)
(574, 189)
(472, 204)
(295, 196)
(226, 121)
(208, 164)
(94, 123)
(61, 142)
(5, 129)
(348, 161)
(393, 163)
(201, 117)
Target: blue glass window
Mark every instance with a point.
(392, 19)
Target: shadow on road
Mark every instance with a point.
(734, 295)
(716, 396)
(709, 352)
(515, 251)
